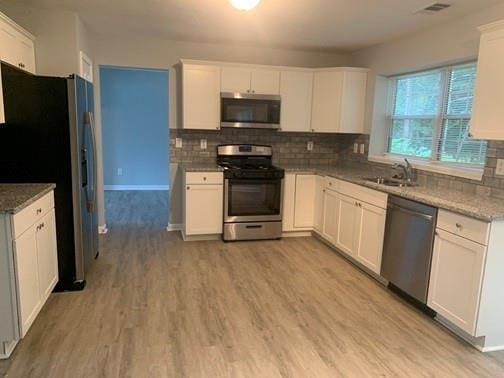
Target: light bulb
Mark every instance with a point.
(244, 5)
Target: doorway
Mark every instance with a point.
(134, 108)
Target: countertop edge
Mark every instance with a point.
(12, 211)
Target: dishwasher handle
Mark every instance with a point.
(427, 217)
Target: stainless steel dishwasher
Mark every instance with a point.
(407, 250)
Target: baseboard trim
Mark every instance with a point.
(136, 187)
(6, 348)
(174, 227)
(102, 229)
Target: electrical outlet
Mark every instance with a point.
(309, 146)
(178, 142)
(203, 144)
(355, 148)
(499, 170)
(119, 172)
(362, 149)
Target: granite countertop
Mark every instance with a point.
(200, 167)
(477, 206)
(15, 197)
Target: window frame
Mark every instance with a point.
(439, 120)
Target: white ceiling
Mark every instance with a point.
(337, 25)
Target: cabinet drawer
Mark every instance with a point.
(28, 216)
(363, 194)
(332, 183)
(466, 227)
(198, 178)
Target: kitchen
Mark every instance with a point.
(306, 147)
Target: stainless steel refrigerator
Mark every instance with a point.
(49, 136)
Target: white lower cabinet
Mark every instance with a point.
(298, 202)
(456, 278)
(318, 210)
(330, 215)
(348, 219)
(371, 233)
(203, 203)
(29, 268)
(304, 201)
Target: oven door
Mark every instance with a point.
(253, 200)
(250, 111)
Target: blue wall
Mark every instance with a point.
(134, 108)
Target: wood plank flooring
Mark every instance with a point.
(158, 307)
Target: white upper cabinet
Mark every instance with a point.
(265, 82)
(235, 79)
(339, 100)
(200, 97)
(488, 113)
(296, 89)
(246, 80)
(16, 45)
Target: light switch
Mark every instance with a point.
(499, 170)
(362, 148)
(119, 171)
(178, 142)
(355, 148)
(309, 146)
(203, 144)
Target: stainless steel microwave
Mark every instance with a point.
(253, 111)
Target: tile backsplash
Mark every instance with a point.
(288, 148)
(328, 149)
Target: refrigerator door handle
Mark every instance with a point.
(89, 122)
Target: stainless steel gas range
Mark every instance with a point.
(253, 191)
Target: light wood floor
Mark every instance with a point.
(158, 307)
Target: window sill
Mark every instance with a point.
(435, 167)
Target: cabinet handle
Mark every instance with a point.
(217, 128)
(459, 226)
(204, 178)
(188, 188)
(21, 65)
(39, 210)
(470, 135)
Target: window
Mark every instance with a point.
(431, 114)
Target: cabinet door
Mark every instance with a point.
(305, 201)
(47, 255)
(201, 97)
(296, 89)
(27, 277)
(348, 221)
(265, 82)
(488, 113)
(289, 197)
(25, 53)
(235, 79)
(8, 43)
(330, 217)
(203, 206)
(456, 279)
(318, 212)
(326, 104)
(370, 236)
(353, 102)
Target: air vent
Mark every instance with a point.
(433, 8)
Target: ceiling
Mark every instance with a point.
(333, 25)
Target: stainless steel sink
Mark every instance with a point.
(387, 181)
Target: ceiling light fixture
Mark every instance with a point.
(244, 5)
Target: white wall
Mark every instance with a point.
(164, 54)
(456, 41)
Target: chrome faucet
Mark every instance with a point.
(407, 169)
